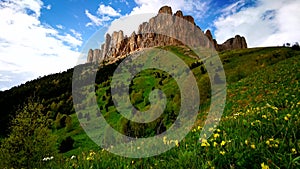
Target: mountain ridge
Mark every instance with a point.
(165, 28)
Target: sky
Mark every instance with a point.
(41, 37)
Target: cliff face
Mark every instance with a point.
(163, 29)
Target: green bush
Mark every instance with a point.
(29, 141)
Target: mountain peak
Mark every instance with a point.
(164, 29)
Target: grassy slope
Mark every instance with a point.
(262, 109)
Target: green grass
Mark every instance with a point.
(260, 123)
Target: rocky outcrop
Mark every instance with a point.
(237, 42)
(163, 29)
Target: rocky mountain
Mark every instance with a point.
(165, 28)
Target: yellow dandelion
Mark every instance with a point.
(222, 152)
(286, 118)
(276, 145)
(268, 142)
(223, 143)
(246, 142)
(218, 130)
(294, 151)
(205, 143)
(216, 135)
(199, 127)
(264, 116)
(132, 162)
(264, 166)
(176, 143)
(271, 139)
(215, 144)
(253, 146)
(288, 115)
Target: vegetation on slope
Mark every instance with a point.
(259, 126)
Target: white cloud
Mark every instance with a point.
(95, 20)
(60, 27)
(29, 47)
(76, 34)
(268, 23)
(146, 9)
(107, 10)
(195, 8)
(48, 7)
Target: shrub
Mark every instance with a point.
(66, 145)
(29, 141)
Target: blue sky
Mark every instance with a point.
(39, 37)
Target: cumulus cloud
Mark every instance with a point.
(104, 14)
(29, 47)
(107, 10)
(267, 23)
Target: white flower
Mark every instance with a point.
(48, 158)
(73, 157)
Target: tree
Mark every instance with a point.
(30, 139)
(296, 46)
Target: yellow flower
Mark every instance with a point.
(165, 140)
(271, 139)
(264, 116)
(253, 146)
(263, 166)
(246, 142)
(138, 148)
(215, 144)
(223, 143)
(89, 158)
(294, 151)
(276, 145)
(286, 118)
(218, 130)
(216, 135)
(205, 143)
(288, 115)
(132, 162)
(199, 127)
(211, 129)
(268, 142)
(222, 152)
(176, 143)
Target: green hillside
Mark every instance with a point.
(260, 124)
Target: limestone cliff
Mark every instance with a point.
(163, 29)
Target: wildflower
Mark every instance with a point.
(73, 157)
(215, 144)
(165, 140)
(276, 145)
(246, 142)
(194, 130)
(222, 152)
(216, 135)
(223, 143)
(263, 166)
(211, 129)
(218, 130)
(205, 143)
(252, 146)
(48, 158)
(294, 151)
(89, 158)
(132, 162)
(268, 142)
(288, 115)
(286, 118)
(264, 116)
(176, 143)
(92, 153)
(199, 127)
(138, 148)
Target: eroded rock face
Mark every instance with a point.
(163, 29)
